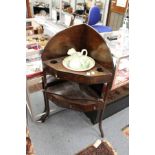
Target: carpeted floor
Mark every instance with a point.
(100, 147)
(69, 132)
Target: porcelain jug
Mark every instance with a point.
(78, 59)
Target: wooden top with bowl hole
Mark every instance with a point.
(98, 74)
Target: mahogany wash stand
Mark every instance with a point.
(82, 91)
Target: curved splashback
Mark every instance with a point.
(79, 37)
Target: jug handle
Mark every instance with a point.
(82, 52)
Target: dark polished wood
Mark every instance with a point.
(79, 37)
(70, 95)
(106, 91)
(78, 90)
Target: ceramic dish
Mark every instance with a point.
(86, 63)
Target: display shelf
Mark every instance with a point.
(41, 8)
(120, 52)
(39, 39)
(38, 9)
(35, 45)
(69, 95)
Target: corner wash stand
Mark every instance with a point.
(82, 91)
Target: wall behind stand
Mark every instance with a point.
(116, 14)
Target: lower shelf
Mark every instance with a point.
(71, 95)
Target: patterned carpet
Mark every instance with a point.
(125, 131)
(98, 148)
(29, 146)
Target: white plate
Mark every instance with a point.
(89, 60)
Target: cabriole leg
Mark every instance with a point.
(105, 94)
